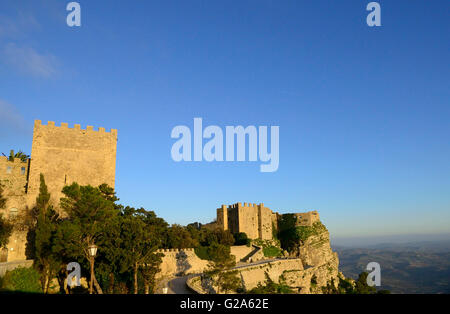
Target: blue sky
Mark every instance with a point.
(363, 111)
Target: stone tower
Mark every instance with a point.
(66, 155)
(63, 155)
(255, 220)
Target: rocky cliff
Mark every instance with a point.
(320, 263)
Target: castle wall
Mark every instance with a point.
(255, 220)
(240, 251)
(177, 261)
(308, 218)
(248, 220)
(66, 155)
(265, 226)
(222, 217)
(13, 178)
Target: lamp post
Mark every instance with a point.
(92, 250)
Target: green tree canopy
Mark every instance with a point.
(220, 268)
(5, 226)
(47, 259)
(20, 155)
(92, 212)
(140, 240)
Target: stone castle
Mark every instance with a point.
(257, 221)
(63, 155)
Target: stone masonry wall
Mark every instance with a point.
(177, 261)
(253, 219)
(13, 178)
(257, 221)
(183, 261)
(66, 155)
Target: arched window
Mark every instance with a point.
(13, 212)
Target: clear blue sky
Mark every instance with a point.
(363, 112)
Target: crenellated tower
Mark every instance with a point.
(66, 155)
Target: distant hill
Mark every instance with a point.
(416, 267)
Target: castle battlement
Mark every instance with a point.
(307, 218)
(175, 251)
(17, 161)
(64, 125)
(239, 205)
(65, 155)
(256, 220)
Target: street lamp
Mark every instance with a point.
(92, 250)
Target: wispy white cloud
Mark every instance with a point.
(28, 61)
(16, 34)
(18, 26)
(11, 121)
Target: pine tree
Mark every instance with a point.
(46, 260)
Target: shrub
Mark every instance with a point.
(272, 251)
(271, 287)
(202, 252)
(241, 238)
(22, 279)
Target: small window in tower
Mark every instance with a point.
(22, 170)
(8, 169)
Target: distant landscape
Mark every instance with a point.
(415, 267)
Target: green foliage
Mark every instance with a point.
(5, 226)
(202, 252)
(361, 286)
(219, 267)
(5, 231)
(20, 155)
(345, 286)
(229, 281)
(241, 238)
(272, 251)
(221, 256)
(290, 236)
(89, 208)
(218, 236)
(287, 221)
(92, 219)
(46, 258)
(304, 232)
(179, 237)
(274, 232)
(271, 287)
(2, 198)
(205, 235)
(21, 279)
(139, 242)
